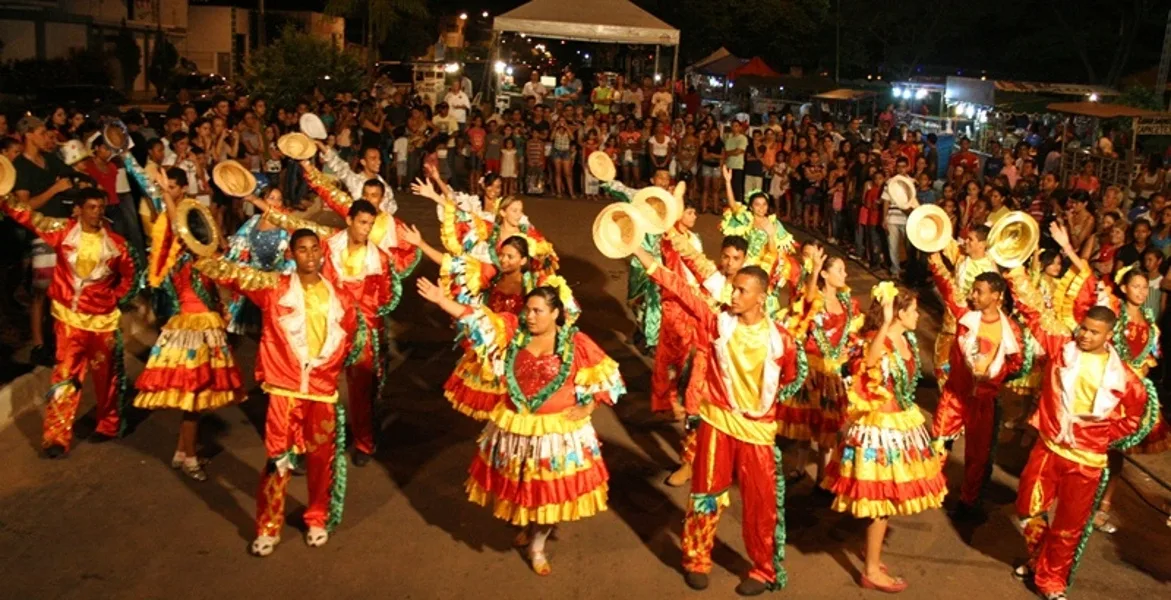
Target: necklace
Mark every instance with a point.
(833, 352)
(563, 347)
(905, 383)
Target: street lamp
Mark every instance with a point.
(451, 68)
(484, 14)
(500, 66)
(463, 16)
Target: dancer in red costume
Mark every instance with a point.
(969, 263)
(677, 332)
(1091, 402)
(988, 349)
(715, 284)
(538, 462)
(190, 368)
(471, 389)
(752, 364)
(832, 317)
(94, 274)
(1136, 340)
(369, 279)
(885, 465)
(310, 331)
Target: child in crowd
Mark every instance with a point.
(477, 139)
(869, 217)
(402, 150)
(589, 147)
(535, 164)
(508, 165)
(493, 144)
(837, 209)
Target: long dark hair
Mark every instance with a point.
(519, 244)
(550, 296)
(874, 316)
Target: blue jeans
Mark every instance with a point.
(867, 242)
(895, 234)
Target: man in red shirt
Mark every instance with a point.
(964, 158)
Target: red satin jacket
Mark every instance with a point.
(111, 278)
(369, 292)
(282, 360)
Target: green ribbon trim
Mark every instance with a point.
(834, 352)
(905, 384)
(1028, 354)
(121, 385)
(337, 491)
(802, 372)
(1123, 348)
(780, 534)
(359, 343)
(139, 277)
(1084, 540)
(706, 504)
(564, 348)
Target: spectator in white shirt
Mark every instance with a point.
(459, 103)
(535, 89)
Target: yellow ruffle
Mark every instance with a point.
(187, 401)
(598, 377)
(78, 320)
(534, 470)
(533, 425)
(900, 421)
(862, 470)
(876, 395)
(584, 506)
(204, 321)
(478, 376)
(877, 509)
(176, 357)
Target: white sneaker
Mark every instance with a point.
(264, 545)
(317, 537)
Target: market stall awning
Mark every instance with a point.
(845, 94)
(612, 21)
(718, 63)
(754, 68)
(1102, 110)
(1065, 89)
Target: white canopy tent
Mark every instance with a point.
(603, 21)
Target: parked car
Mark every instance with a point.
(200, 88)
(84, 97)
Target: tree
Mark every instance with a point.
(291, 67)
(162, 62)
(381, 16)
(129, 57)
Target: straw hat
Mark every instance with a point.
(115, 134)
(660, 208)
(296, 146)
(929, 228)
(618, 230)
(901, 190)
(73, 152)
(601, 167)
(233, 178)
(312, 126)
(7, 175)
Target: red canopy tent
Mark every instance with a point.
(756, 68)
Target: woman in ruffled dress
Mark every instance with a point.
(885, 465)
(538, 461)
(259, 244)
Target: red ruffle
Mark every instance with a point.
(201, 378)
(536, 493)
(459, 394)
(882, 490)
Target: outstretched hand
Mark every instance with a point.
(426, 189)
(429, 291)
(412, 236)
(727, 172)
(1060, 234)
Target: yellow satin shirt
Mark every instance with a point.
(89, 252)
(354, 261)
(316, 316)
(747, 351)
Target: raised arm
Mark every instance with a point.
(48, 229)
(340, 167)
(1044, 324)
(242, 279)
(943, 282)
(149, 188)
(290, 223)
(731, 195)
(412, 236)
(338, 200)
(677, 286)
(699, 265)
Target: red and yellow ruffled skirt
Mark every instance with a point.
(1158, 440)
(472, 389)
(539, 469)
(885, 466)
(811, 415)
(190, 367)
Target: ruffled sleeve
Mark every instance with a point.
(331, 194)
(737, 220)
(545, 260)
(871, 389)
(1075, 295)
(488, 335)
(465, 279)
(596, 378)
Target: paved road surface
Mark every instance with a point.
(114, 521)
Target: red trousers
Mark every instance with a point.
(362, 383)
(676, 344)
(720, 459)
(1050, 478)
(976, 418)
(78, 352)
(295, 429)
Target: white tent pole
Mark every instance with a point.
(656, 63)
(674, 73)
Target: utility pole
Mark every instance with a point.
(838, 43)
(260, 32)
(1164, 63)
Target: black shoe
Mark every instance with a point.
(99, 438)
(751, 587)
(966, 513)
(43, 355)
(54, 451)
(696, 581)
(360, 459)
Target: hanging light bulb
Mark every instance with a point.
(921, 94)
